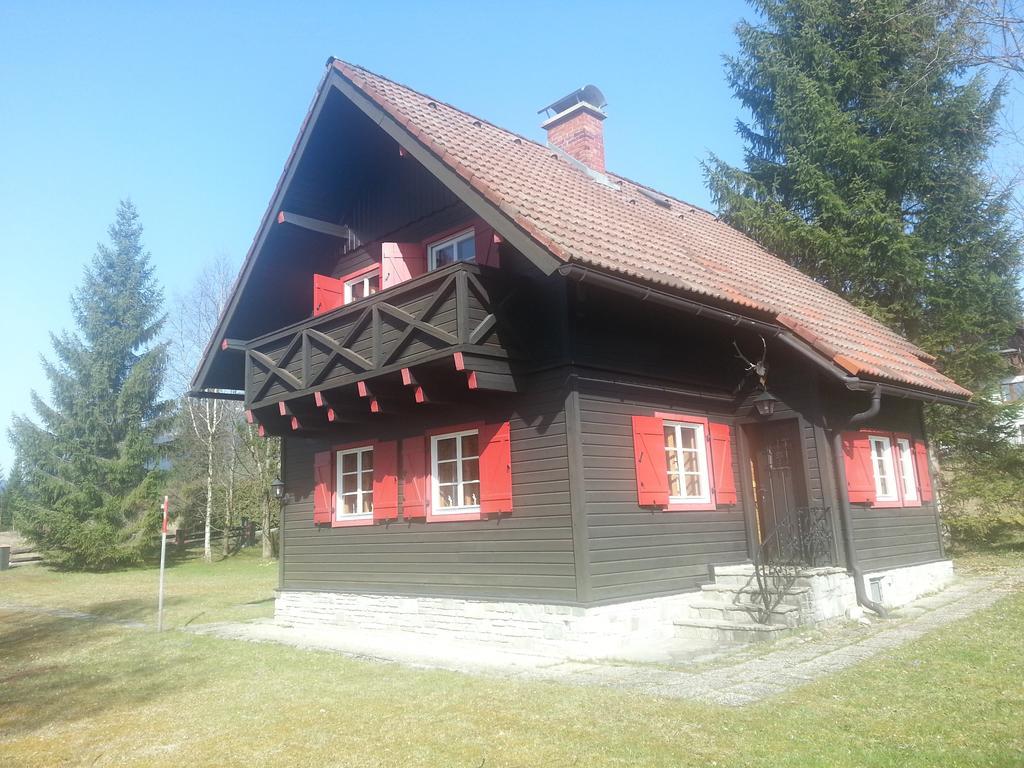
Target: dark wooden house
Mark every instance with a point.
(526, 399)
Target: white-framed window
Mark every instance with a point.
(1012, 390)
(907, 471)
(354, 484)
(460, 247)
(455, 469)
(882, 465)
(687, 459)
(361, 286)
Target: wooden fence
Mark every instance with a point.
(14, 556)
(244, 535)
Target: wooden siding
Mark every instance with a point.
(891, 538)
(635, 552)
(527, 555)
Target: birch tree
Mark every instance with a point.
(262, 463)
(209, 419)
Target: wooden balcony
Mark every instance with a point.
(450, 318)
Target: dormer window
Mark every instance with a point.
(362, 285)
(460, 247)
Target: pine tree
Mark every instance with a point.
(864, 168)
(89, 484)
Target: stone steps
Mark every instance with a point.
(744, 613)
(727, 610)
(720, 593)
(729, 632)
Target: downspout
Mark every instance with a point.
(844, 503)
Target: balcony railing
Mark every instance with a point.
(431, 316)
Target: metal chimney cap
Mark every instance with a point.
(588, 94)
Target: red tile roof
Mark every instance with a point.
(617, 228)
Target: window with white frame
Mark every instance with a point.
(907, 471)
(687, 459)
(361, 286)
(455, 468)
(882, 465)
(460, 247)
(1012, 390)
(354, 486)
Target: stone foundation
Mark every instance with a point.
(820, 594)
(900, 586)
(540, 629)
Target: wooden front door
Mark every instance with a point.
(778, 464)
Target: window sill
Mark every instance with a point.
(351, 522)
(690, 506)
(458, 515)
(887, 504)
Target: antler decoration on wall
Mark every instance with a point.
(760, 367)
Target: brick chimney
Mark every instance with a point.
(574, 125)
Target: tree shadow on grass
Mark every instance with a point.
(56, 670)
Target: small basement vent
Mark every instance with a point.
(875, 588)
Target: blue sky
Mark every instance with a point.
(190, 109)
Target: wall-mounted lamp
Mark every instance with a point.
(277, 488)
(765, 404)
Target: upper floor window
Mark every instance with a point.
(686, 448)
(361, 286)
(354, 495)
(456, 472)
(885, 475)
(460, 247)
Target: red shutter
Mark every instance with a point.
(323, 488)
(860, 476)
(415, 478)
(495, 468)
(385, 480)
(400, 262)
(486, 246)
(721, 462)
(328, 294)
(924, 476)
(651, 465)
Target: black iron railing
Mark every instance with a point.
(804, 539)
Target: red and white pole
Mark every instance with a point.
(163, 558)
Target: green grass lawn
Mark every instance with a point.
(233, 589)
(80, 693)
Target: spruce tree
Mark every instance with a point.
(864, 167)
(89, 485)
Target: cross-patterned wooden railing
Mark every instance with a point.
(429, 317)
